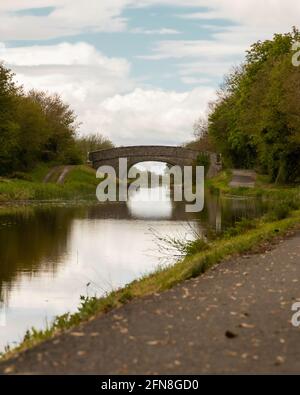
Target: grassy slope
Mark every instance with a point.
(81, 182)
(265, 230)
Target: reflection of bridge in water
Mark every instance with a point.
(122, 211)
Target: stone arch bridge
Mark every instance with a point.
(174, 156)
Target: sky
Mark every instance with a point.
(137, 71)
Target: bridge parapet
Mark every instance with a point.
(146, 151)
(175, 156)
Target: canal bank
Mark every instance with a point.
(236, 240)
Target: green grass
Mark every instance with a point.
(82, 175)
(220, 182)
(40, 172)
(80, 183)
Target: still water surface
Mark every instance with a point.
(52, 254)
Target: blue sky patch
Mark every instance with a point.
(42, 11)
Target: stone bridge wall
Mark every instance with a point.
(175, 156)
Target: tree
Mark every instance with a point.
(9, 129)
(61, 125)
(202, 140)
(38, 127)
(93, 142)
(32, 132)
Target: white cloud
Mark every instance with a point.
(268, 14)
(104, 96)
(69, 17)
(154, 116)
(202, 58)
(63, 54)
(70, 69)
(178, 49)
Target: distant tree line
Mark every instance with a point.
(255, 121)
(92, 142)
(38, 127)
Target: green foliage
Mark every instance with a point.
(202, 141)
(126, 295)
(240, 227)
(34, 127)
(182, 247)
(59, 130)
(279, 211)
(203, 160)
(195, 246)
(256, 120)
(92, 142)
(19, 175)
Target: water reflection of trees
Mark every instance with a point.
(32, 240)
(222, 212)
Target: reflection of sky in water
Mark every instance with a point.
(105, 253)
(155, 167)
(151, 203)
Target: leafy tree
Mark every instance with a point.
(9, 129)
(202, 142)
(60, 123)
(93, 142)
(32, 132)
(36, 127)
(255, 121)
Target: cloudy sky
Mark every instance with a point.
(138, 71)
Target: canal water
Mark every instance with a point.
(50, 254)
